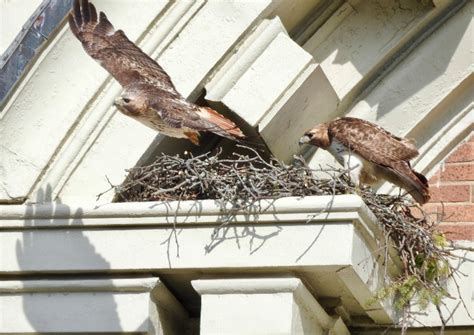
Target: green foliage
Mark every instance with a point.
(440, 240)
(423, 286)
(408, 290)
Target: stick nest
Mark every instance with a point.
(244, 179)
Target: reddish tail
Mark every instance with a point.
(225, 127)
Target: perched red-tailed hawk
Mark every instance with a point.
(370, 153)
(149, 95)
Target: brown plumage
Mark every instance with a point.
(371, 153)
(149, 95)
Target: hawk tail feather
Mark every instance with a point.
(424, 193)
(224, 127)
(414, 182)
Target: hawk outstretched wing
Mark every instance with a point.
(114, 51)
(149, 96)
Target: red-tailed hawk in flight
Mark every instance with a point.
(149, 95)
(370, 153)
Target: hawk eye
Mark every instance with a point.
(126, 100)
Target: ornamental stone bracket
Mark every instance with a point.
(279, 306)
(319, 255)
(90, 305)
(280, 82)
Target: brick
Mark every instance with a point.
(458, 172)
(434, 178)
(457, 213)
(458, 232)
(452, 193)
(429, 210)
(449, 212)
(465, 153)
(434, 211)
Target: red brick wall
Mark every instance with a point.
(452, 189)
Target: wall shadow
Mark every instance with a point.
(421, 68)
(252, 234)
(372, 30)
(48, 249)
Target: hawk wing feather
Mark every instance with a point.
(356, 134)
(384, 149)
(114, 51)
(200, 119)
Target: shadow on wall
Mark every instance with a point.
(369, 33)
(409, 78)
(50, 249)
(250, 236)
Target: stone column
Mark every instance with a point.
(262, 306)
(90, 305)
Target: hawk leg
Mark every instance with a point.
(192, 136)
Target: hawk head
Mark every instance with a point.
(317, 136)
(131, 103)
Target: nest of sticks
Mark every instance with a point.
(244, 179)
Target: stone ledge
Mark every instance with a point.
(285, 235)
(56, 215)
(78, 285)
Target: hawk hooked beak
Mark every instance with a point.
(305, 139)
(118, 101)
